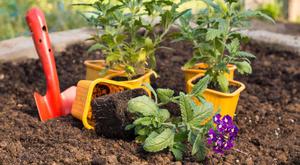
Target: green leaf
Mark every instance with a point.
(197, 145)
(177, 153)
(165, 95)
(152, 91)
(163, 114)
(205, 112)
(177, 150)
(243, 67)
(180, 136)
(143, 121)
(152, 60)
(113, 57)
(234, 46)
(96, 46)
(266, 17)
(143, 131)
(129, 127)
(158, 142)
(245, 54)
(129, 69)
(223, 82)
(108, 39)
(143, 105)
(185, 108)
(212, 34)
(149, 44)
(201, 85)
(166, 19)
(190, 63)
(201, 152)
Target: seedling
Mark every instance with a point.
(131, 32)
(214, 32)
(158, 130)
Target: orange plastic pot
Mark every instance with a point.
(94, 67)
(144, 79)
(201, 68)
(227, 102)
(88, 90)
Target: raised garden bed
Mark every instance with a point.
(267, 114)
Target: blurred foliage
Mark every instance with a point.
(60, 15)
(274, 9)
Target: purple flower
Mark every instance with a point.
(217, 118)
(222, 138)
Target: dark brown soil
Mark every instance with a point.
(111, 116)
(123, 78)
(267, 116)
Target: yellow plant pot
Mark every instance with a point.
(94, 67)
(88, 90)
(227, 102)
(201, 68)
(135, 82)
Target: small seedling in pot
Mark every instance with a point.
(215, 35)
(158, 130)
(132, 31)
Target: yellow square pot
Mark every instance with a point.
(227, 102)
(201, 68)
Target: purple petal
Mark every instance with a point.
(227, 119)
(228, 145)
(218, 150)
(212, 136)
(221, 127)
(233, 131)
(217, 118)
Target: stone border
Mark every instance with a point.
(276, 41)
(22, 47)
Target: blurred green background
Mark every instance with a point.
(60, 15)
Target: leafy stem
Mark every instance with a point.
(158, 130)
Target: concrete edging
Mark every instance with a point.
(276, 41)
(23, 47)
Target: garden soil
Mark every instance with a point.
(267, 115)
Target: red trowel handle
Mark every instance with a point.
(37, 24)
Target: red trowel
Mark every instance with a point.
(54, 103)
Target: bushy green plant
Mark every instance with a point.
(158, 130)
(58, 13)
(214, 32)
(130, 31)
(274, 10)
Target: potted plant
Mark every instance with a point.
(158, 130)
(132, 31)
(217, 40)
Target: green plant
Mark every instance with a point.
(130, 31)
(158, 130)
(274, 9)
(58, 13)
(216, 39)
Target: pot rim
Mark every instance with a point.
(231, 67)
(148, 73)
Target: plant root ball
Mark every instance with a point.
(111, 116)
